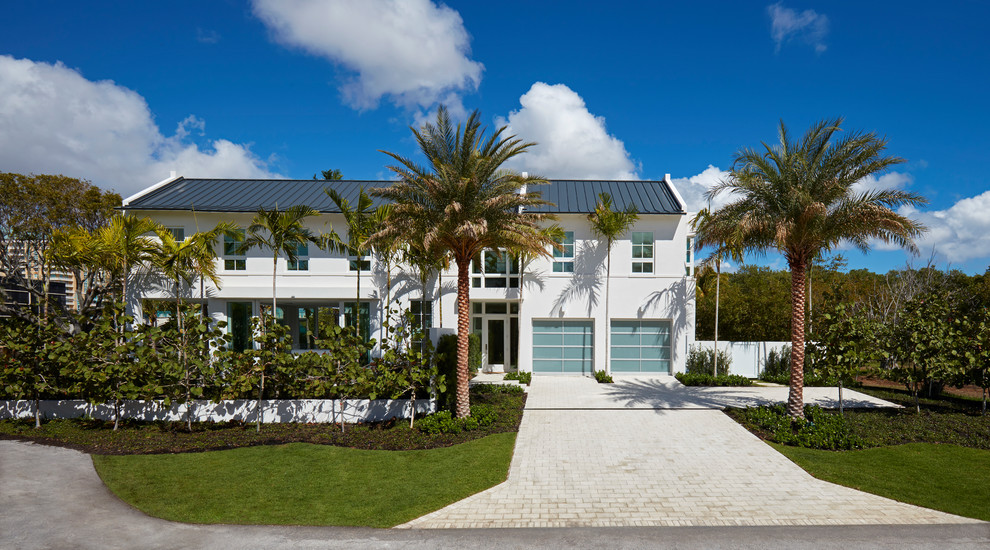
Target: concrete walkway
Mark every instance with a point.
(650, 452)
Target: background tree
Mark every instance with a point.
(469, 203)
(610, 224)
(797, 197)
(332, 175)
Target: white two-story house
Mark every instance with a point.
(547, 316)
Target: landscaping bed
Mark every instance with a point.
(98, 437)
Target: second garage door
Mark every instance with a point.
(640, 346)
(563, 346)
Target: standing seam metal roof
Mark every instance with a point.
(247, 195)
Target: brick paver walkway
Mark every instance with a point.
(600, 455)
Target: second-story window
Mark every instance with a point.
(642, 252)
(178, 233)
(364, 263)
(232, 260)
(495, 269)
(301, 263)
(563, 258)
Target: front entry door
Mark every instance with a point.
(495, 344)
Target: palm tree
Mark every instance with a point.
(611, 225)
(363, 221)
(278, 231)
(182, 261)
(734, 251)
(467, 202)
(797, 197)
(124, 244)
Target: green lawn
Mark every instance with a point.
(305, 484)
(949, 478)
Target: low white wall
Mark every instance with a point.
(747, 357)
(282, 410)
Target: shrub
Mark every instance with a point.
(443, 422)
(496, 388)
(523, 377)
(777, 368)
(701, 361)
(603, 378)
(706, 379)
(821, 429)
(447, 366)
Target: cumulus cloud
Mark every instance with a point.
(958, 233)
(414, 51)
(53, 120)
(787, 24)
(693, 189)
(888, 181)
(571, 142)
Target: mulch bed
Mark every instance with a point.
(98, 437)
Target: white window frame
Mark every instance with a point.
(230, 257)
(301, 263)
(643, 264)
(563, 260)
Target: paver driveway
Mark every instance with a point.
(650, 452)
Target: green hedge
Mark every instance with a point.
(447, 366)
(705, 379)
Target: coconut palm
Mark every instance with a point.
(799, 197)
(610, 224)
(467, 202)
(363, 220)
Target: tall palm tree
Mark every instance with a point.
(363, 221)
(610, 224)
(125, 243)
(468, 203)
(798, 197)
(734, 251)
(182, 261)
(279, 231)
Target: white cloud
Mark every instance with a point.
(958, 233)
(53, 120)
(807, 26)
(571, 142)
(693, 189)
(414, 51)
(890, 180)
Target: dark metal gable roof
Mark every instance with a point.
(229, 195)
(233, 195)
(581, 196)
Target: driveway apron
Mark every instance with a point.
(650, 452)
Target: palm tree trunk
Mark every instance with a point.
(357, 302)
(608, 277)
(718, 285)
(463, 326)
(795, 398)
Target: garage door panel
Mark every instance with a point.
(640, 345)
(562, 346)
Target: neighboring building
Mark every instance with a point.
(547, 317)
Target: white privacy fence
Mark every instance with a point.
(275, 410)
(748, 358)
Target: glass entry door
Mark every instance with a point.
(496, 344)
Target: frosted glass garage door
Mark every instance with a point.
(562, 346)
(640, 346)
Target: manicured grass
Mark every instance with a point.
(305, 484)
(949, 478)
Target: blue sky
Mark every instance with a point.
(122, 92)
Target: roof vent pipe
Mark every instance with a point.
(171, 174)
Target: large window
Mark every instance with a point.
(301, 263)
(495, 269)
(563, 257)
(232, 260)
(364, 263)
(178, 233)
(642, 252)
(239, 325)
